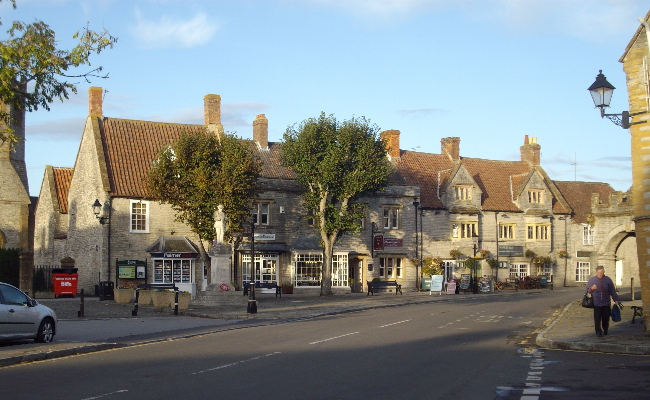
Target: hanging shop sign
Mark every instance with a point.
(378, 242)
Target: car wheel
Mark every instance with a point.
(45, 331)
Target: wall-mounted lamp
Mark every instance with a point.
(97, 210)
(601, 92)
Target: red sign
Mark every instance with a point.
(392, 242)
(378, 242)
(451, 287)
(64, 283)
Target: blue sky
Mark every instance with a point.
(487, 71)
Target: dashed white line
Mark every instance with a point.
(336, 337)
(395, 323)
(232, 364)
(106, 394)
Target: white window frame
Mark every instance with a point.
(391, 217)
(519, 270)
(314, 260)
(146, 216)
(536, 196)
(463, 192)
(396, 269)
(583, 270)
(507, 231)
(587, 234)
(464, 229)
(257, 213)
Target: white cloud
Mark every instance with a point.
(66, 129)
(168, 32)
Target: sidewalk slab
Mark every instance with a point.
(573, 329)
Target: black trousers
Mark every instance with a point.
(602, 314)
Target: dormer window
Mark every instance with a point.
(536, 196)
(463, 192)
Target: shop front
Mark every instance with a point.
(174, 261)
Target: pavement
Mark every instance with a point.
(109, 325)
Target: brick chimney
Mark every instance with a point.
(530, 151)
(212, 113)
(95, 101)
(391, 138)
(451, 147)
(261, 131)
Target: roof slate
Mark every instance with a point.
(62, 179)
(578, 195)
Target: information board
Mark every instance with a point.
(451, 287)
(486, 285)
(465, 280)
(436, 283)
(131, 269)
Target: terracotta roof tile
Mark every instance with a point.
(578, 195)
(62, 179)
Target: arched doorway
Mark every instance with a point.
(619, 257)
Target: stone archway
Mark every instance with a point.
(619, 246)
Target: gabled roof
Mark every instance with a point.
(172, 244)
(578, 195)
(634, 39)
(62, 178)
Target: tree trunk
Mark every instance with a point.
(328, 252)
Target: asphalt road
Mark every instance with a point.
(476, 347)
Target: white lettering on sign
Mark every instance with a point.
(66, 283)
(172, 255)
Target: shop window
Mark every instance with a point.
(262, 213)
(507, 231)
(587, 234)
(536, 196)
(307, 268)
(463, 192)
(538, 232)
(582, 271)
(519, 271)
(173, 271)
(392, 217)
(139, 216)
(390, 267)
(464, 230)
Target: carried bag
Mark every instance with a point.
(588, 301)
(616, 313)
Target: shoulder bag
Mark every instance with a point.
(588, 301)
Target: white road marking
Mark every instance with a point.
(395, 323)
(325, 340)
(235, 363)
(106, 394)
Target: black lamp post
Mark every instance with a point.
(601, 93)
(475, 280)
(252, 303)
(416, 203)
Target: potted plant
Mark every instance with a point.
(432, 266)
(484, 253)
(144, 298)
(123, 294)
(287, 288)
(492, 262)
(160, 297)
(530, 254)
(184, 298)
(455, 253)
(563, 254)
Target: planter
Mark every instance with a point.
(123, 295)
(160, 298)
(144, 298)
(287, 289)
(183, 300)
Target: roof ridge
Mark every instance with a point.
(149, 122)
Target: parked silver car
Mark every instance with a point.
(23, 318)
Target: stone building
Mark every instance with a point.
(510, 209)
(636, 65)
(14, 188)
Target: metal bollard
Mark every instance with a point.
(80, 313)
(632, 287)
(134, 313)
(551, 282)
(176, 302)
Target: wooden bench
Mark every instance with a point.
(151, 286)
(383, 285)
(264, 285)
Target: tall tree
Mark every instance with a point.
(336, 163)
(200, 171)
(34, 71)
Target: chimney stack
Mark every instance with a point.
(391, 138)
(95, 101)
(212, 109)
(451, 147)
(261, 131)
(530, 151)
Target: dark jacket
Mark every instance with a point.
(601, 297)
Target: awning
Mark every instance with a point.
(173, 244)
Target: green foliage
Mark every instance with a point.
(336, 163)
(530, 254)
(455, 253)
(492, 262)
(10, 266)
(430, 265)
(30, 56)
(470, 263)
(201, 171)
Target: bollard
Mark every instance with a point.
(80, 313)
(516, 285)
(176, 302)
(551, 282)
(632, 287)
(134, 313)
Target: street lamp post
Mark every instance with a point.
(475, 286)
(416, 203)
(252, 303)
(601, 93)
